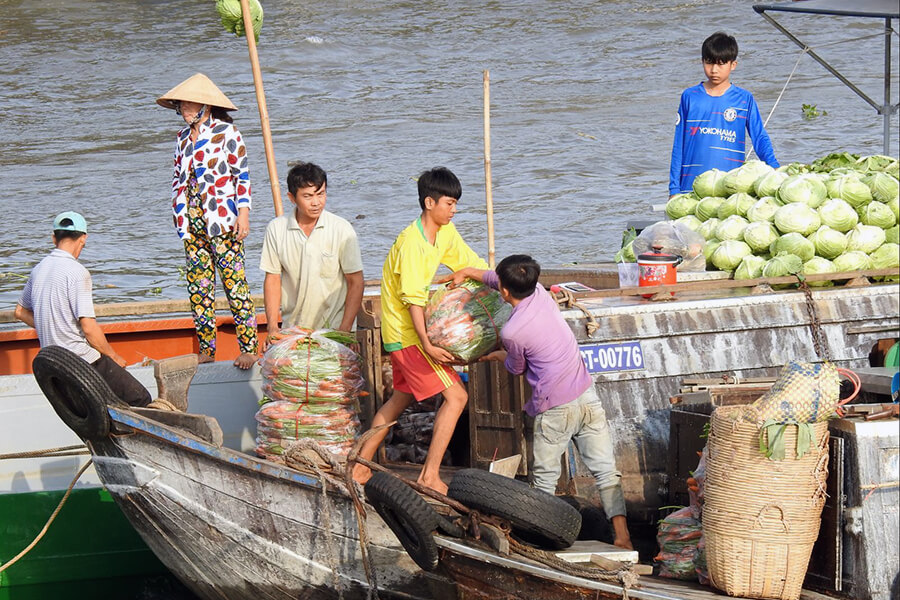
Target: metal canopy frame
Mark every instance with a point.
(881, 9)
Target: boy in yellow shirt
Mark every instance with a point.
(420, 369)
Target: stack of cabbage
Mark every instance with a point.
(838, 214)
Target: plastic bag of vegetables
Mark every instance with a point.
(466, 320)
(675, 238)
(311, 387)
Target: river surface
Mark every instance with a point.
(583, 100)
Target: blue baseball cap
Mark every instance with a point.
(69, 221)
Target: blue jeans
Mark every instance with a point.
(583, 421)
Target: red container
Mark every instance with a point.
(657, 268)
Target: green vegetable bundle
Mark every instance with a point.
(834, 214)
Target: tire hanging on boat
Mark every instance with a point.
(535, 515)
(76, 391)
(411, 519)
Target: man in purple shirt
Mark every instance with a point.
(538, 342)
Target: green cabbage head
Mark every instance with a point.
(817, 264)
(741, 179)
(690, 221)
(708, 207)
(797, 217)
(782, 264)
(877, 214)
(708, 228)
(884, 187)
(233, 20)
(793, 243)
(885, 257)
(709, 247)
(729, 254)
(849, 188)
(732, 228)
(865, 238)
(759, 236)
(892, 235)
(750, 268)
(763, 209)
(736, 204)
(853, 260)
(680, 205)
(829, 242)
(768, 183)
(894, 205)
(806, 188)
(709, 183)
(838, 214)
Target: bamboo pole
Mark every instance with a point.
(263, 111)
(488, 197)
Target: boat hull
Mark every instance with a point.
(231, 526)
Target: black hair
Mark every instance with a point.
(719, 48)
(304, 175)
(66, 234)
(519, 274)
(437, 183)
(221, 114)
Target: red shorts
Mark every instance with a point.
(415, 373)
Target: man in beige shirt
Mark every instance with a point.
(312, 261)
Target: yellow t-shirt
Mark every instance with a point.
(406, 277)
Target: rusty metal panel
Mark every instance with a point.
(825, 565)
(496, 425)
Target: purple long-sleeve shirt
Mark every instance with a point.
(540, 344)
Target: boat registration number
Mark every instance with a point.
(603, 358)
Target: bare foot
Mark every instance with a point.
(206, 358)
(361, 474)
(245, 360)
(437, 485)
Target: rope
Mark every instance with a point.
(625, 576)
(43, 531)
(163, 404)
(77, 450)
(569, 300)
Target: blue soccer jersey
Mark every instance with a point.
(710, 133)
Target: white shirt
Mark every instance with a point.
(312, 268)
(58, 292)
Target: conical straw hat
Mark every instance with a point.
(198, 88)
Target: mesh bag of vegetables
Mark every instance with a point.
(466, 320)
(311, 387)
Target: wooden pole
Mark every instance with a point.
(263, 111)
(488, 196)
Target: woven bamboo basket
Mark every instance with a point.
(761, 517)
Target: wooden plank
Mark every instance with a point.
(727, 284)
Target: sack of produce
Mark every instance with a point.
(466, 320)
(803, 393)
(675, 238)
(678, 538)
(311, 387)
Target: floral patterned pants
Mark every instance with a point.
(204, 255)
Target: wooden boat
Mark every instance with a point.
(707, 331)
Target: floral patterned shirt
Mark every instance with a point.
(219, 160)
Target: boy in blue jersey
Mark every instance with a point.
(713, 118)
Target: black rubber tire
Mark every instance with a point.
(535, 516)
(411, 519)
(77, 392)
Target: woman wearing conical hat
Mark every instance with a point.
(211, 210)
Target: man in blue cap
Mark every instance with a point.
(57, 302)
